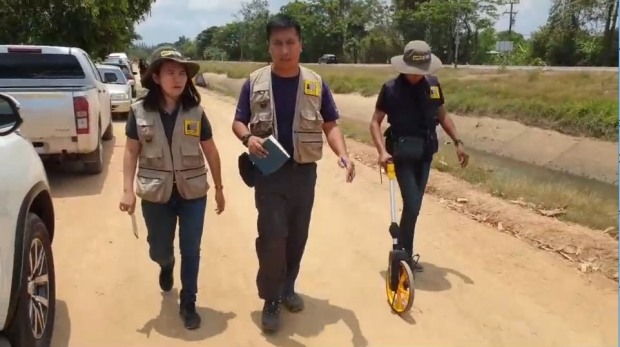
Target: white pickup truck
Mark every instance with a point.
(64, 102)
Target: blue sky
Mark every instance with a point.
(173, 18)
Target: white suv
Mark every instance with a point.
(27, 281)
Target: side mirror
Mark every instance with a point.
(10, 120)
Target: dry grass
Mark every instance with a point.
(581, 205)
(574, 103)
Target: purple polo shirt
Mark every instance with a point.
(285, 95)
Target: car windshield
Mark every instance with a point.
(108, 74)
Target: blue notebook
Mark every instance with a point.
(274, 160)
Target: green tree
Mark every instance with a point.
(98, 27)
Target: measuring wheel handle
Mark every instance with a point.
(389, 170)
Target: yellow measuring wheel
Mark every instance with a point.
(399, 281)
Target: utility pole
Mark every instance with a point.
(457, 39)
(511, 22)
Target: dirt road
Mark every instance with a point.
(480, 288)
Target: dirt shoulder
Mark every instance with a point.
(589, 250)
(579, 156)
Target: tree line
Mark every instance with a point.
(577, 32)
(98, 27)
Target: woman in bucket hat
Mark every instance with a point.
(414, 105)
(167, 134)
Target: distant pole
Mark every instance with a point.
(457, 38)
(511, 21)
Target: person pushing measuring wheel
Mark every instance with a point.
(168, 137)
(414, 105)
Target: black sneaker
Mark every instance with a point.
(191, 319)
(166, 277)
(270, 320)
(293, 303)
(414, 263)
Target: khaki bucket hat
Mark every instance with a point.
(159, 56)
(417, 60)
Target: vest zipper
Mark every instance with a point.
(190, 169)
(189, 178)
(151, 178)
(307, 132)
(143, 168)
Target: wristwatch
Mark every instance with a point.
(458, 142)
(245, 138)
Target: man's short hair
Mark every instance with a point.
(280, 22)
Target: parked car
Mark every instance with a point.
(119, 89)
(64, 102)
(127, 70)
(121, 56)
(27, 277)
(328, 59)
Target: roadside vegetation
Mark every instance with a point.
(574, 103)
(97, 27)
(555, 197)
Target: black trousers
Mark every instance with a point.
(412, 178)
(284, 201)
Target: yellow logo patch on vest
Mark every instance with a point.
(435, 94)
(192, 128)
(312, 88)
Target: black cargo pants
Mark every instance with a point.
(284, 201)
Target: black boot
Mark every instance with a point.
(270, 320)
(293, 302)
(166, 277)
(191, 319)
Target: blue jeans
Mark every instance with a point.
(412, 178)
(161, 223)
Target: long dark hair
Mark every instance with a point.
(188, 99)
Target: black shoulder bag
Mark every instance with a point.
(411, 148)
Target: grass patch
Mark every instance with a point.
(574, 103)
(583, 206)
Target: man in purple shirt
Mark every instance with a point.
(284, 199)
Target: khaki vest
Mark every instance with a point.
(161, 166)
(308, 122)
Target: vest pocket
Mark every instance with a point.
(261, 124)
(309, 147)
(151, 185)
(191, 156)
(311, 120)
(192, 184)
(146, 130)
(152, 156)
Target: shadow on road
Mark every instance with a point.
(168, 323)
(318, 314)
(67, 180)
(434, 278)
(62, 325)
